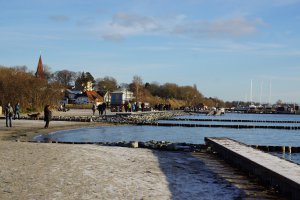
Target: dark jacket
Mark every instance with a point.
(9, 111)
(47, 113)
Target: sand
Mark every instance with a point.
(62, 171)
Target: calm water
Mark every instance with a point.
(191, 135)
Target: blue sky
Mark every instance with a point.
(218, 45)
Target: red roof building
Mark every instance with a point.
(40, 69)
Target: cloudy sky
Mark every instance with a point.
(219, 45)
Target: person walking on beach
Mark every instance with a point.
(47, 115)
(17, 111)
(8, 115)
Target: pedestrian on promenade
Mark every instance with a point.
(94, 108)
(17, 111)
(143, 106)
(9, 111)
(126, 106)
(100, 109)
(47, 115)
(129, 107)
(104, 108)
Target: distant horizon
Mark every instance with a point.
(220, 46)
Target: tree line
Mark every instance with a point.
(18, 84)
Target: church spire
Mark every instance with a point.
(40, 69)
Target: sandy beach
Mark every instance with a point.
(62, 171)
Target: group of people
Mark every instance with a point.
(100, 107)
(134, 106)
(11, 113)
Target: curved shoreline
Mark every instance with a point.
(26, 130)
(62, 171)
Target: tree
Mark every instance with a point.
(64, 77)
(82, 80)
(47, 72)
(90, 77)
(107, 84)
(137, 87)
(17, 85)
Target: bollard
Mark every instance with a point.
(290, 149)
(283, 149)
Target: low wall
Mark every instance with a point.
(280, 174)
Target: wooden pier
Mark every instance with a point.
(279, 173)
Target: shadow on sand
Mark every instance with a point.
(189, 178)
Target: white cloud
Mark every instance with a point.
(235, 27)
(123, 25)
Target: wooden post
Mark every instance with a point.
(290, 149)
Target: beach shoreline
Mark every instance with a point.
(26, 130)
(63, 171)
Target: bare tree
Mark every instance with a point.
(137, 87)
(64, 77)
(107, 84)
(32, 93)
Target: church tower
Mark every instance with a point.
(40, 69)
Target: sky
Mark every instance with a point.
(221, 46)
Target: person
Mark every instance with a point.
(129, 107)
(47, 115)
(17, 110)
(143, 106)
(126, 106)
(8, 115)
(61, 108)
(104, 108)
(94, 108)
(64, 107)
(100, 109)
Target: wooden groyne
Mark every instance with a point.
(278, 149)
(279, 173)
(236, 126)
(235, 120)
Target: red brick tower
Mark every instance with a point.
(40, 69)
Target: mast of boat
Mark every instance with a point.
(270, 92)
(251, 94)
(261, 85)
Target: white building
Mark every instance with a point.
(119, 97)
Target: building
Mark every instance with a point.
(121, 96)
(40, 69)
(88, 97)
(118, 99)
(71, 95)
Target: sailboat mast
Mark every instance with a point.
(261, 86)
(251, 93)
(270, 92)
